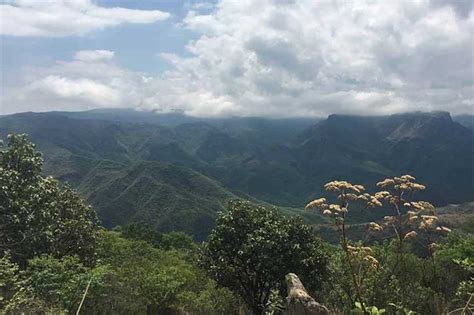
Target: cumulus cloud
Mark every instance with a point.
(91, 79)
(291, 58)
(199, 5)
(280, 58)
(94, 55)
(57, 18)
(85, 90)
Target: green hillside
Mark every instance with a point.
(176, 172)
(163, 195)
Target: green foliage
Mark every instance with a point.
(8, 279)
(165, 196)
(50, 284)
(421, 285)
(140, 231)
(210, 299)
(38, 216)
(456, 247)
(131, 277)
(455, 259)
(252, 248)
(134, 277)
(407, 286)
(372, 310)
(178, 241)
(51, 248)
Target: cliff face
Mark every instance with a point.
(430, 146)
(299, 302)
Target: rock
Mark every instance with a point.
(299, 302)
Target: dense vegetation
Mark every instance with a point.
(37, 215)
(252, 248)
(55, 258)
(177, 172)
(53, 254)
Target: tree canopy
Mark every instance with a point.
(37, 214)
(252, 248)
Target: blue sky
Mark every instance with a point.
(137, 44)
(227, 57)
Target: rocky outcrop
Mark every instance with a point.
(299, 302)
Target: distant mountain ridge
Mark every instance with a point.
(428, 145)
(465, 120)
(176, 171)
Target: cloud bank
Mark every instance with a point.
(317, 57)
(67, 17)
(92, 79)
(289, 58)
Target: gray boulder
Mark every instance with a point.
(299, 302)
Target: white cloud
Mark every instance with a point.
(84, 90)
(94, 55)
(288, 58)
(305, 57)
(199, 5)
(92, 79)
(57, 18)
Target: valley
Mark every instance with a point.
(175, 172)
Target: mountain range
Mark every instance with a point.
(175, 172)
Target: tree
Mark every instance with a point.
(177, 240)
(140, 231)
(9, 282)
(49, 285)
(37, 215)
(252, 248)
(144, 279)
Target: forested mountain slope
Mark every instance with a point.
(176, 171)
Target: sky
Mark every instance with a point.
(274, 58)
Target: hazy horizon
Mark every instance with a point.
(106, 110)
